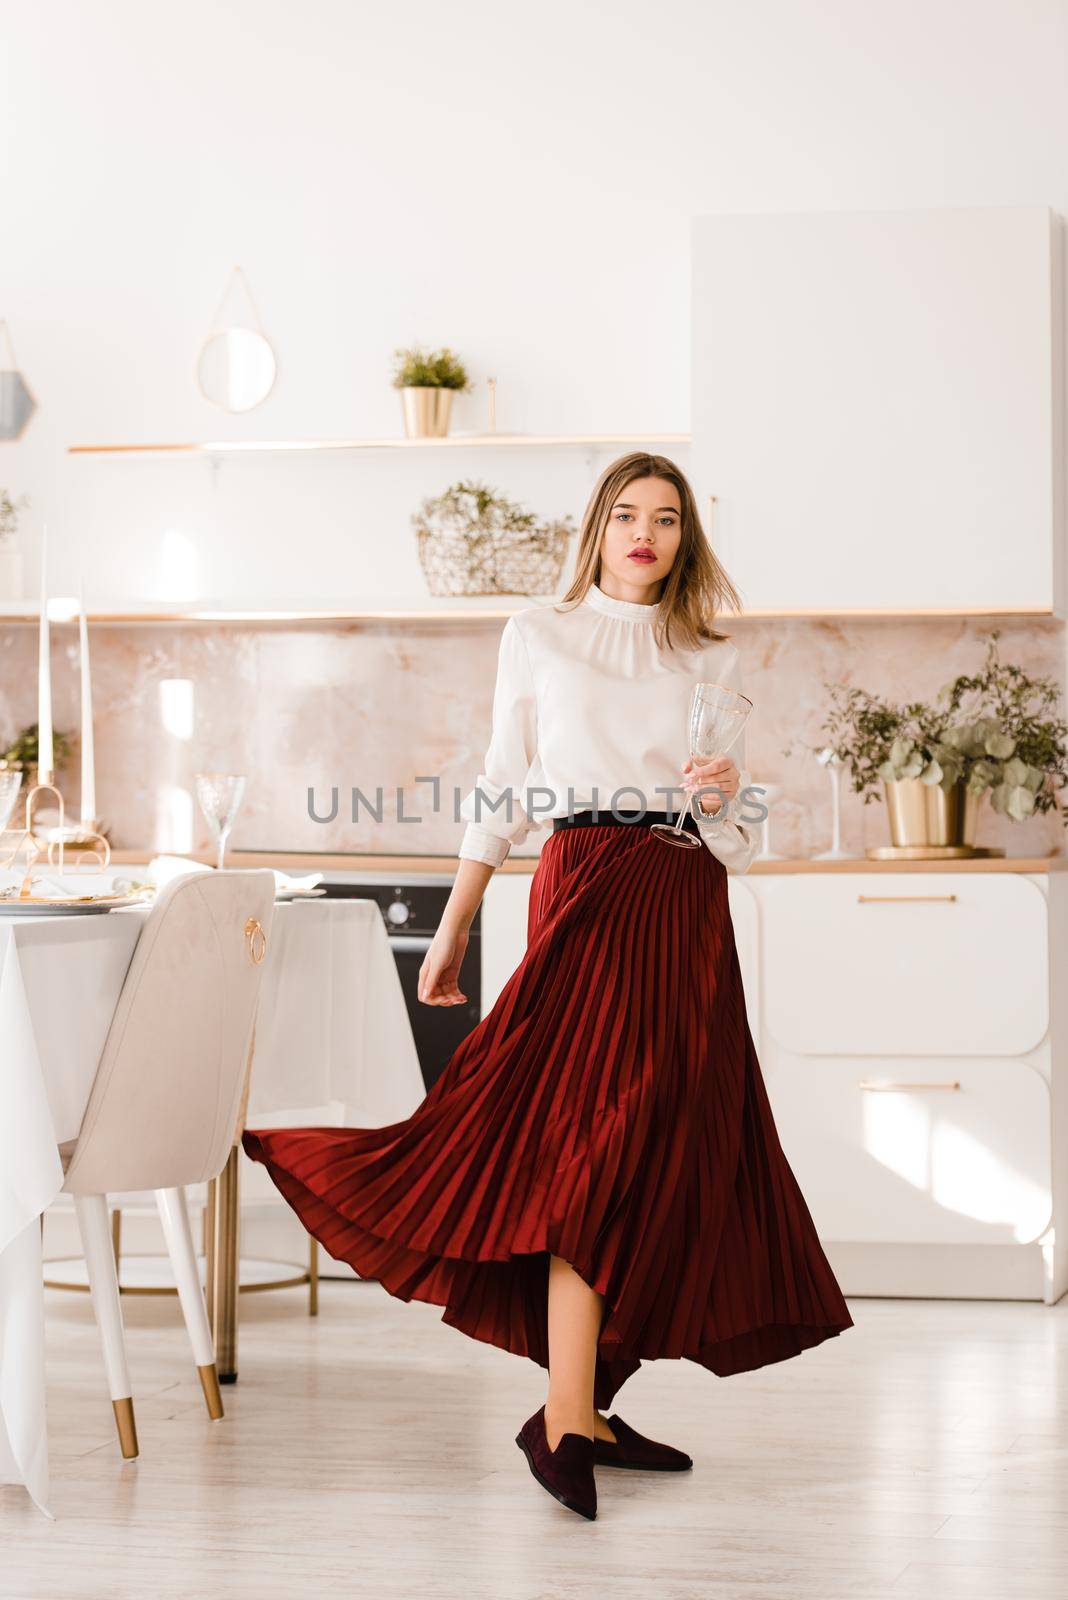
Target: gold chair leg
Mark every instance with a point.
(225, 1269)
(127, 1427)
(116, 1238)
(209, 1382)
(224, 1265)
(313, 1276)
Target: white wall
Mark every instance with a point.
(514, 180)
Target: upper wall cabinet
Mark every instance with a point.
(878, 408)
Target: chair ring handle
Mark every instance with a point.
(257, 939)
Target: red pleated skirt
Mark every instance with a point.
(609, 1109)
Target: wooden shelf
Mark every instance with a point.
(341, 861)
(452, 441)
(432, 608)
(472, 608)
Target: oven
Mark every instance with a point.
(411, 905)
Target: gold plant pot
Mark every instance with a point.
(426, 412)
(926, 815)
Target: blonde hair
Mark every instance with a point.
(697, 586)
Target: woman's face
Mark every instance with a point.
(641, 540)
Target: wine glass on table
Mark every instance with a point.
(10, 782)
(717, 717)
(219, 795)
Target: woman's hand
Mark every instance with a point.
(438, 985)
(720, 771)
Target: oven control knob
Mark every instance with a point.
(398, 913)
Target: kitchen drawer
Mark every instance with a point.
(915, 1161)
(745, 919)
(913, 965)
(505, 910)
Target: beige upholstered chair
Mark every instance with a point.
(167, 1093)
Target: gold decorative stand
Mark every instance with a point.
(929, 823)
(929, 852)
(64, 833)
(222, 1228)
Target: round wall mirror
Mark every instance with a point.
(236, 369)
(17, 404)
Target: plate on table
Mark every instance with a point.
(77, 905)
(148, 891)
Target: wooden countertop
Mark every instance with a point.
(309, 861)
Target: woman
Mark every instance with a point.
(595, 1178)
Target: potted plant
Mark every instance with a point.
(473, 540)
(21, 755)
(993, 734)
(10, 553)
(427, 381)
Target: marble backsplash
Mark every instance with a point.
(311, 706)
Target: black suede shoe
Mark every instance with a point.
(634, 1450)
(566, 1472)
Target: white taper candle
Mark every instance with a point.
(45, 759)
(88, 762)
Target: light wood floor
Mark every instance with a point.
(370, 1453)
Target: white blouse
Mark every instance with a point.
(586, 705)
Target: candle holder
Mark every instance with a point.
(833, 766)
(770, 793)
(45, 842)
(53, 830)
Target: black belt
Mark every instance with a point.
(589, 819)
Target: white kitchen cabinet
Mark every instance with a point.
(914, 1053)
(745, 917)
(911, 1033)
(504, 931)
(928, 1151)
(877, 407)
(945, 964)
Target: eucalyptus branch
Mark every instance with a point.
(9, 511)
(995, 731)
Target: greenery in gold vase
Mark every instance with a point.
(9, 511)
(996, 731)
(417, 368)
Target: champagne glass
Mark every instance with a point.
(717, 717)
(219, 795)
(10, 782)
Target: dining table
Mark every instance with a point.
(332, 1043)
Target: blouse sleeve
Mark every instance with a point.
(493, 808)
(734, 842)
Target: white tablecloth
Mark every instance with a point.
(332, 1031)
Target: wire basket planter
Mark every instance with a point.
(472, 540)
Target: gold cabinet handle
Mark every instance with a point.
(872, 899)
(257, 939)
(866, 1083)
